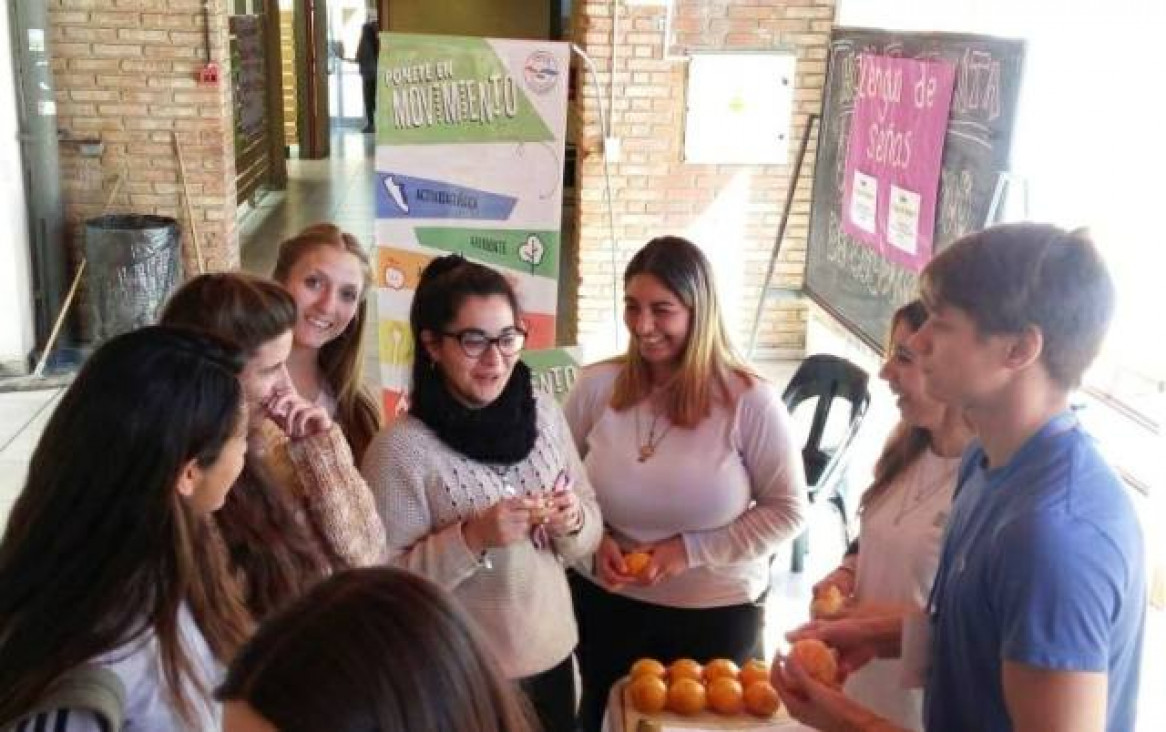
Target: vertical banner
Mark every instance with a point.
(470, 144)
(894, 155)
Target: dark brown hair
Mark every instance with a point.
(1008, 278)
(277, 555)
(100, 548)
(374, 649)
(906, 442)
(341, 359)
(445, 284)
(709, 362)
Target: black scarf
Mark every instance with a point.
(503, 431)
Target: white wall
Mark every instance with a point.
(16, 325)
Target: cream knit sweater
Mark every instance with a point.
(424, 490)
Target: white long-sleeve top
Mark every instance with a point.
(731, 487)
(424, 490)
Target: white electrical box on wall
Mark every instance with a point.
(739, 107)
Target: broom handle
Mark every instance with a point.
(199, 262)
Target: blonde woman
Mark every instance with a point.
(327, 272)
(691, 457)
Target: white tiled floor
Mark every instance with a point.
(23, 415)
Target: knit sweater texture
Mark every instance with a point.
(518, 594)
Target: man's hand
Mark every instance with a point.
(857, 640)
(822, 707)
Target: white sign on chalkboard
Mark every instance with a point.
(739, 107)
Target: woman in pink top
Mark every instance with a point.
(692, 461)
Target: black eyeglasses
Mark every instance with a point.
(474, 342)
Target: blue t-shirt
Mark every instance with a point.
(1042, 565)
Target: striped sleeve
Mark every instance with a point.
(64, 720)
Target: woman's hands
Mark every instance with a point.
(506, 522)
(296, 416)
(842, 578)
(561, 511)
(667, 558)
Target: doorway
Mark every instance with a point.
(346, 97)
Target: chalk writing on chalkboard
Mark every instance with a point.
(852, 281)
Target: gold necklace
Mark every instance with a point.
(648, 449)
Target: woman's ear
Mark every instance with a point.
(188, 478)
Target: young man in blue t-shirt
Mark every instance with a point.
(1038, 608)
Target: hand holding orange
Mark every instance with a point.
(817, 659)
(636, 563)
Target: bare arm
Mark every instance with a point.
(1041, 700)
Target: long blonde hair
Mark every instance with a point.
(710, 364)
(341, 359)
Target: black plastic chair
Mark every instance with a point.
(829, 379)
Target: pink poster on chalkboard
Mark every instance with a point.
(894, 155)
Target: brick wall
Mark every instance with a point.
(125, 72)
(654, 192)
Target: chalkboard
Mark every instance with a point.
(850, 280)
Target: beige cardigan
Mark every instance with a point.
(333, 497)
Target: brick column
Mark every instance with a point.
(125, 72)
(654, 192)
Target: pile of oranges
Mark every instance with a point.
(685, 687)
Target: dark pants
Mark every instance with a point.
(552, 694)
(370, 99)
(614, 631)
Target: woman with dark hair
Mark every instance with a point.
(693, 463)
(282, 536)
(104, 564)
(903, 514)
(370, 649)
(328, 274)
(480, 487)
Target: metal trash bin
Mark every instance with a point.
(134, 262)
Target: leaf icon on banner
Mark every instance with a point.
(532, 251)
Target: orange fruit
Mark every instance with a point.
(636, 562)
(720, 668)
(828, 604)
(685, 668)
(753, 670)
(761, 699)
(649, 694)
(725, 695)
(686, 696)
(817, 659)
(647, 667)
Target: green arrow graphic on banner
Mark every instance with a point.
(522, 250)
(450, 89)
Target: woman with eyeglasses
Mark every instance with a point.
(480, 486)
